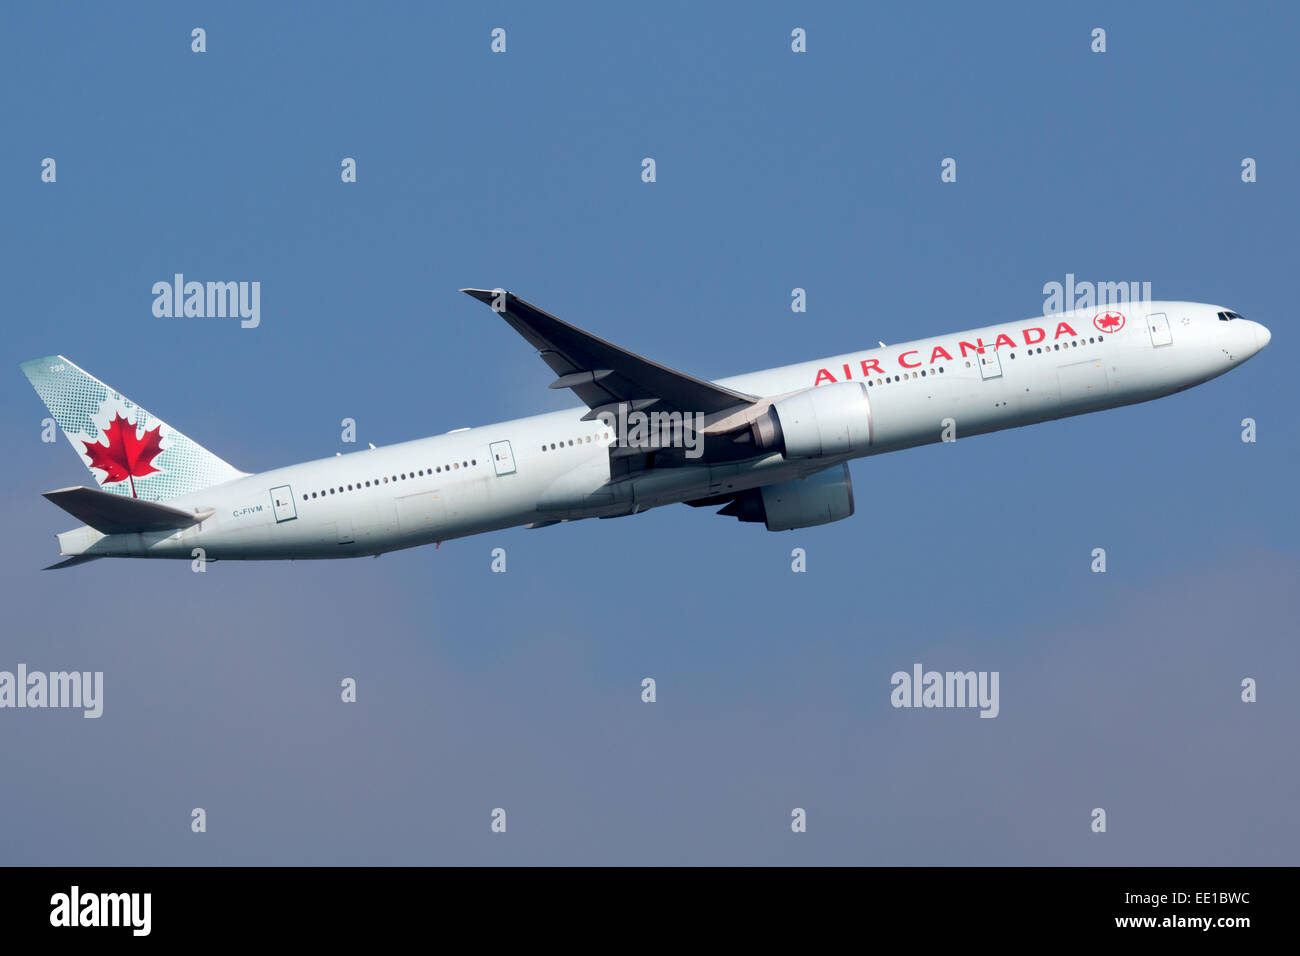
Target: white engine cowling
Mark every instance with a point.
(818, 422)
(802, 503)
(807, 502)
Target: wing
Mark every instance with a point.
(602, 374)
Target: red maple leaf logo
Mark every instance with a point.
(126, 456)
(1109, 321)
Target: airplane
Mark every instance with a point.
(769, 447)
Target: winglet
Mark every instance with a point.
(485, 295)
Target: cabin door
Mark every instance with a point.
(1158, 326)
(503, 459)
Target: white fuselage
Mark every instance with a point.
(557, 466)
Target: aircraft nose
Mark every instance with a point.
(1262, 336)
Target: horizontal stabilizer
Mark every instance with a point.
(114, 514)
(72, 561)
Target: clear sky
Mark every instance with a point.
(775, 170)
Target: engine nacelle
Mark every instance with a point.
(802, 503)
(818, 422)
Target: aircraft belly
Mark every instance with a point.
(467, 505)
(1083, 385)
(375, 526)
(585, 491)
(421, 515)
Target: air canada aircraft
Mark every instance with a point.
(770, 447)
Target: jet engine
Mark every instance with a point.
(802, 503)
(818, 422)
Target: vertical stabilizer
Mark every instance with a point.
(128, 451)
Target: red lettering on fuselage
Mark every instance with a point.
(911, 358)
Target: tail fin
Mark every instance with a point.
(128, 451)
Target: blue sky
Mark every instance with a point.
(774, 171)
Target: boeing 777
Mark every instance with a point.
(770, 447)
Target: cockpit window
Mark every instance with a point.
(1228, 316)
